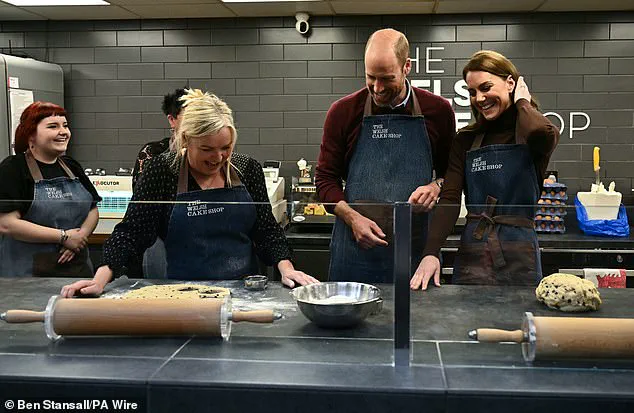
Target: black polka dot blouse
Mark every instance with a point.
(144, 221)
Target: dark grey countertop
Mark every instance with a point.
(293, 365)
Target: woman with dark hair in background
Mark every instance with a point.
(500, 162)
(48, 207)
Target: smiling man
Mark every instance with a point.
(384, 141)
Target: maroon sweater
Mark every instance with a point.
(343, 125)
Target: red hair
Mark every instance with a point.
(30, 118)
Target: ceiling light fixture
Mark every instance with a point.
(27, 3)
(265, 1)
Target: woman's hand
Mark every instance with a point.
(291, 276)
(89, 287)
(521, 90)
(429, 267)
(76, 240)
(66, 255)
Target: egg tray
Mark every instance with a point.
(552, 211)
(555, 185)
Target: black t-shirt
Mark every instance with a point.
(16, 183)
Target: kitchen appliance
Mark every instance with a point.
(275, 189)
(338, 304)
(138, 317)
(115, 191)
(25, 81)
(566, 337)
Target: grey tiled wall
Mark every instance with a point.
(280, 84)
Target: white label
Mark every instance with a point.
(18, 100)
(479, 165)
(380, 132)
(14, 82)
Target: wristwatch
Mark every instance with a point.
(440, 182)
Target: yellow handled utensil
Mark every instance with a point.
(595, 162)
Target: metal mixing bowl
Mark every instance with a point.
(365, 299)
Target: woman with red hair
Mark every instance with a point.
(48, 207)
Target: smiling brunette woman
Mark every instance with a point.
(214, 229)
(47, 204)
(499, 161)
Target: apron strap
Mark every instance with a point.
(35, 171)
(416, 111)
(183, 175)
(183, 172)
(66, 168)
(36, 174)
(487, 223)
(235, 178)
(477, 142)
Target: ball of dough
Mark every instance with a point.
(568, 292)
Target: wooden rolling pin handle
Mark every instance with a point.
(23, 316)
(260, 316)
(492, 335)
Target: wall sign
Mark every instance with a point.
(577, 121)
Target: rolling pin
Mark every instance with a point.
(566, 337)
(138, 317)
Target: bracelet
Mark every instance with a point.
(62, 237)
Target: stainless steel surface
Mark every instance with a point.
(313, 302)
(256, 282)
(530, 337)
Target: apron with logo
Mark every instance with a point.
(208, 236)
(61, 203)
(391, 159)
(499, 244)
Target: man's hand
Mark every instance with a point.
(367, 233)
(425, 196)
(429, 267)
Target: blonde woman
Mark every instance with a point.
(221, 218)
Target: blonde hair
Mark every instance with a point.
(203, 114)
(497, 64)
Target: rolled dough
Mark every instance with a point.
(178, 291)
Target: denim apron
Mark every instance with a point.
(499, 244)
(208, 235)
(61, 203)
(391, 159)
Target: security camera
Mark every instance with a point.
(302, 25)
